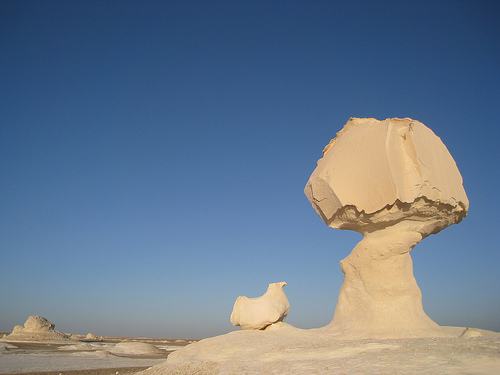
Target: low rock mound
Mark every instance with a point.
(136, 348)
(293, 351)
(38, 329)
(92, 337)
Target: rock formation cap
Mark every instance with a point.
(376, 173)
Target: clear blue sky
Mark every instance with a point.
(154, 154)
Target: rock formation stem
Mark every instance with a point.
(380, 296)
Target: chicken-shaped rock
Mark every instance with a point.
(261, 312)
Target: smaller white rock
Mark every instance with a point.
(36, 328)
(261, 312)
(136, 348)
(92, 337)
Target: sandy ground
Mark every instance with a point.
(261, 352)
(102, 371)
(94, 358)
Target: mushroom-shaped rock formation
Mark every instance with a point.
(261, 312)
(36, 328)
(395, 182)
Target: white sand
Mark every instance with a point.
(284, 352)
(79, 356)
(18, 363)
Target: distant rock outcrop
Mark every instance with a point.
(92, 337)
(36, 328)
(261, 312)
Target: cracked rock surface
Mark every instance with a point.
(375, 172)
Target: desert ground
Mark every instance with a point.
(291, 351)
(112, 355)
(475, 352)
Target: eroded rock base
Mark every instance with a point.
(379, 297)
(293, 351)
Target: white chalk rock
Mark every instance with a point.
(136, 348)
(92, 337)
(373, 170)
(38, 324)
(36, 328)
(395, 182)
(261, 312)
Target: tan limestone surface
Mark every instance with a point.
(290, 351)
(36, 328)
(395, 182)
(261, 312)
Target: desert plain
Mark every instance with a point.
(99, 356)
(465, 351)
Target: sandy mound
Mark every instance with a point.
(38, 329)
(136, 348)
